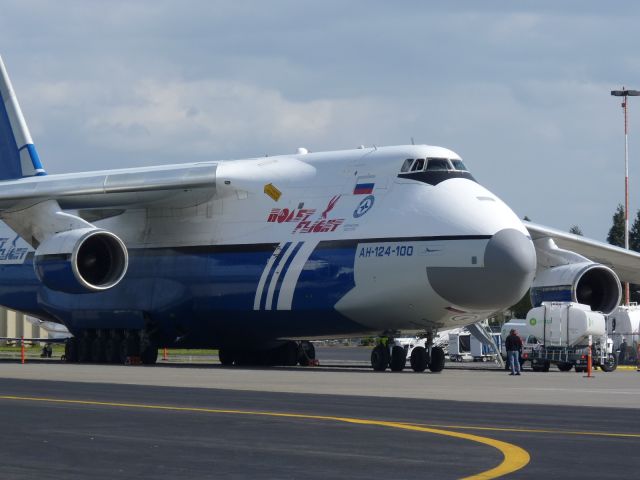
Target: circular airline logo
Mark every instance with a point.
(365, 205)
(533, 322)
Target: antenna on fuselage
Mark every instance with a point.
(412, 142)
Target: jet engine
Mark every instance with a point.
(588, 283)
(81, 260)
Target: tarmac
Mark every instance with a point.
(334, 421)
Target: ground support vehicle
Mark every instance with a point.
(577, 357)
(559, 333)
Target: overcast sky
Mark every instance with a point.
(519, 89)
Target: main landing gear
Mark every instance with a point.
(288, 354)
(395, 358)
(111, 346)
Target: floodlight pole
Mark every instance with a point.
(625, 106)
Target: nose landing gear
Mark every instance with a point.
(420, 357)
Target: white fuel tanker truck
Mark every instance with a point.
(558, 333)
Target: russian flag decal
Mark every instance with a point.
(364, 186)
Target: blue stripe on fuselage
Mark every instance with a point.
(276, 295)
(210, 290)
(274, 266)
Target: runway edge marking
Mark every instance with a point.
(514, 457)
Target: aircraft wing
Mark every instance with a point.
(173, 185)
(626, 263)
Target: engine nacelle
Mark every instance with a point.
(588, 283)
(81, 260)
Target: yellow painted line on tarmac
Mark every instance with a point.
(514, 457)
(534, 430)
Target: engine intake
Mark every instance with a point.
(81, 260)
(588, 283)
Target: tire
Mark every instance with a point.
(380, 358)
(581, 369)
(99, 350)
(419, 360)
(306, 353)
(564, 367)
(149, 354)
(398, 359)
(84, 348)
(226, 357)
(437, 360)
(71, 350)
(611, 364)
(288, 354)
(113, 349)
(148, 348)
(131, 345)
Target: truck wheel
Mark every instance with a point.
(419, 359)
(564, 367)
(437, 360)
(610, 364)
(398, 358)
(581, 369)
(380, 358)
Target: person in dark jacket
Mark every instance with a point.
(513, 344)
(622, 356)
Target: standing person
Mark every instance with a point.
(622, 356)
(513, 344)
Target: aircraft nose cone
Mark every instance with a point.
(509, 268)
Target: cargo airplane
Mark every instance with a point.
(257, 256)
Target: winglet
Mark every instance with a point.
(18, 155)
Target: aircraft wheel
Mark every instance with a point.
(131, 344)
(148, 348)
(288, 354)
(380, 358)
(564, 367)
(84, 348)
(226, 357)
(99, 349)
(114, 345)
(149, 354)
(71, 350)
(306, 353)
(437, 360)
(419, 360)
(398, 358)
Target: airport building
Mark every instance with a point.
(15, 324)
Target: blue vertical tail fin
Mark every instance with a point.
(18, 155)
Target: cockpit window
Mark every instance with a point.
(438, 164)
(406, 166)
(458, 164)
(434, 170)
(418, 166)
